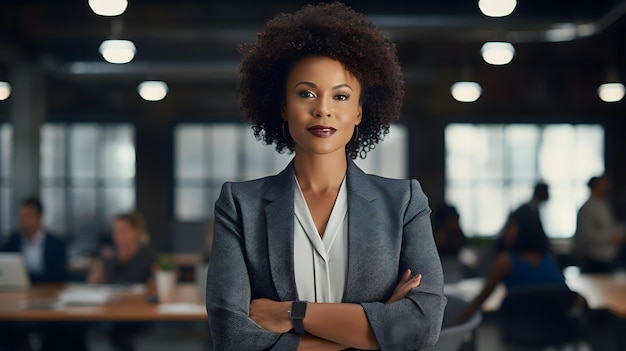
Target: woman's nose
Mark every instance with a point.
(322, 109)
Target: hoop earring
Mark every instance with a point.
(283, 129)
(355, 134)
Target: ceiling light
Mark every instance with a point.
(497, 53)
(5, 90)
(466, 91)
(118, 51)
(611, 92)
(152, 90)
(497, 8)
(108, 7)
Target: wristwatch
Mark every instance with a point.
(297, 314)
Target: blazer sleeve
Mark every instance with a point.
(55, 258)
(414, 322)
(228, 291)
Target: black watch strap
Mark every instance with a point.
(297, 314)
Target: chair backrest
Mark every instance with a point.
(452, 336)
(542, 316)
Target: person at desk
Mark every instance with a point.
(597, 239)
(524, 261)
(44, 254)
(351, 255)
(131, 260)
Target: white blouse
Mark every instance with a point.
(321, 263)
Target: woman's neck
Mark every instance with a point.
(320, 173)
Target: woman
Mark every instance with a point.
(323, 256)
(130, 261)
(131, 258)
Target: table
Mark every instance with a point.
(35, 305)
(602, 292)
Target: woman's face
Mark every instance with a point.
(321, 105)
(125, 235)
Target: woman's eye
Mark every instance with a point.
(306, 94)
(341, 97)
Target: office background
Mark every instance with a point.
(76, 132)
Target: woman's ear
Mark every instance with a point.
(359, 115)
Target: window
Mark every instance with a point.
(6, 152)
(87, 177)
(207, 155)
(491, 170)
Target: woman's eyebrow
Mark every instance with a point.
(313, 85)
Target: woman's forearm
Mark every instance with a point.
(313, 343)
(341, 323)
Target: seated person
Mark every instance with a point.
(44, 254)
(525, 261)
(449, 237)
(130, 260)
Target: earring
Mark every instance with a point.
(355, 135)
(283, 129)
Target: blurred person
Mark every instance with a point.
(130, 260)
(449, 236)
(598, 238)
(45, 257)
(44, 254)
(527, 217)
(524, 261)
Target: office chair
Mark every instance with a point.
(452, 336)
(542, 317)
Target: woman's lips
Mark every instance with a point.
(322, 131)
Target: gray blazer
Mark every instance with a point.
(389, 231)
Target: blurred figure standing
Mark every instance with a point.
(449, 236)
(598, 238)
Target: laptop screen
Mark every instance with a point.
(13, 273)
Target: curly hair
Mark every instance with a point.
(331, 30)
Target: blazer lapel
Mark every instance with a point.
(279, 217)
(360, 195)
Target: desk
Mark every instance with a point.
(602, 292)
(125, 306)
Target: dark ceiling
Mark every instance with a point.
(193, 42)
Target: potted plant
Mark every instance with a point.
(165, 276)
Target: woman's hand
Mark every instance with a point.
(271, 315)
(405, 285)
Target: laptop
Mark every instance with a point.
(13, 273)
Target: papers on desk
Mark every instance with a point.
(181, 308)
(93, 295)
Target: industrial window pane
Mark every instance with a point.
(225, 143)
(83, 150)
(491, 170)
(6, 150)
(118, 147)
(117, 201)
(189, 151)
(55, 215)
(190, 203)
(86, 223)
(52, 151)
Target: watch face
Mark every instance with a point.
(298, 309)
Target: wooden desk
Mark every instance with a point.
(126, 306)
(602, 291)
